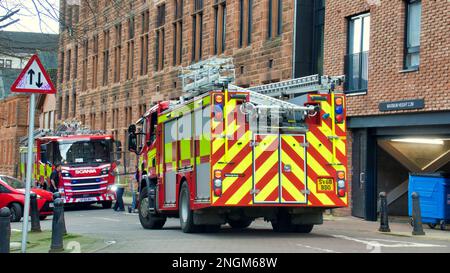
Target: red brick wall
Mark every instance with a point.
(387, 82)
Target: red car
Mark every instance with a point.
(12, 195)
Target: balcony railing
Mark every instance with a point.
(357, 72)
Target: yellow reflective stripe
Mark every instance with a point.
(168, 153)
(240, 168)
(268, 189)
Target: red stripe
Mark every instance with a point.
(327, 143)
(274, 196)
(287, 196)
(267, 177)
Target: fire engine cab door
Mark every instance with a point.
(292, 169)
(266, 164)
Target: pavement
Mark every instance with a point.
(122, 232)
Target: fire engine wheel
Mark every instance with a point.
(240, 224)
(16, 212)
(186, 214)
(148, 220)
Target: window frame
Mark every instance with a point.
(413, 49)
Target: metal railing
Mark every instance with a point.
(357, 72)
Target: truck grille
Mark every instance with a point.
(85, 195)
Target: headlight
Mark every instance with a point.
(38, 196)
(104, 171)
(65, 174)
(112, 188)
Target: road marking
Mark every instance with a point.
(108, 219)
(318, 248)
(376, 242)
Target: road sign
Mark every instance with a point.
(33, 79)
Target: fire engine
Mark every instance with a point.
(224, 154)
(86, 158)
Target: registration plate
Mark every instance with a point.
(325, 185)
(89, 199)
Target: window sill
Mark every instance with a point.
(409, 70)
(355, 93)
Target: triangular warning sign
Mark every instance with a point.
(33, 79)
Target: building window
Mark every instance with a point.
(159, 45)
(103, 118)
(117, 53)
(130, 49)
(75, 63)
(74, 105)
(66, 108)
(275, 18)
(412, 39)
(245, 22)
(69, 57)
(8, 63)
(357, 68)
(144, 42)
(2, 63)
(197, 30)
(92, 117)
(220, 14)
(106, 43)
(85, 64)
(61, 65)
(95, 63)
(178, 30)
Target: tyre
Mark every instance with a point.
(42, 217)
(240, 224)
(432, 226)
(107, 204)
(148, 220)
(186, 214)
(16, 212)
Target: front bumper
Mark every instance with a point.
(90, 198)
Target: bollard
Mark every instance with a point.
(57, 227)
(5, 230)
(416, 215)
(35, 223)
(384, 216)
(57, 195)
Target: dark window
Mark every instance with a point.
(358, 52)
(95, 63)
(413, 28)
(160, 38)
(245, 22)
(85, 64)
(275, 18)
(144, 42)
(178, 30)
(8, 63)
(220, 14)
(197, 30)
(106, 43)
(117, 53)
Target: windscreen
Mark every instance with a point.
(83, 152)
(14, 183)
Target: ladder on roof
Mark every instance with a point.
(217, 72)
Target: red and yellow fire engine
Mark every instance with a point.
(230, 155)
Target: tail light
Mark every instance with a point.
(339, 110)
(217, 183)
(341, 184)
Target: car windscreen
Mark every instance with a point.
(83, 152)
(13, 182)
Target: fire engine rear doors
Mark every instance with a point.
(279, 169)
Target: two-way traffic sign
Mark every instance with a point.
(33, 79)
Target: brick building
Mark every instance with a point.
(396, 57)
(119, 57)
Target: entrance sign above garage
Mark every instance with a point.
(402, 105)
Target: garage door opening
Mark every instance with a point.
(399, 156)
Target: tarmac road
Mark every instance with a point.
(123, 233)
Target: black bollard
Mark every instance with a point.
(35, 223)
(5, 230)
(57, 227)
(416, 215)
(57, 195)
(384, 216)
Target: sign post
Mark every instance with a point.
(33, 79)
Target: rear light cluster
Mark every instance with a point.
(339, 110)
(217, 181)
(341, 184)
(218, 107)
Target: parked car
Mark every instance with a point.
(12, 195)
